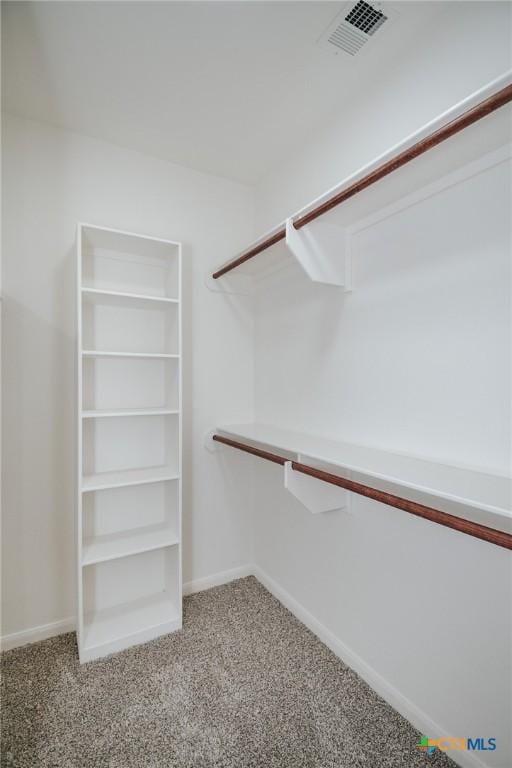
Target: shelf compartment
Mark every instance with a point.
(103, 480)
(126, 263)
(113, 323)
(130, 600)
(116, 519)
(130, 442)
(115, 629)
(102, 548)
(111, 383)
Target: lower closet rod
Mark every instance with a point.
(492, 535)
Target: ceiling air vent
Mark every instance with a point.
(354, 27)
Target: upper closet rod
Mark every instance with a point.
(461, 524)
(491, 104)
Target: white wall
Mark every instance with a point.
(51, 180)
(415, 359)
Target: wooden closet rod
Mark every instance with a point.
(491, 535)
(250, 449)
(491, 104)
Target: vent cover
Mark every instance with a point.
(354, 27)
(365, 17)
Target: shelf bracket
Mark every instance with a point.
(314, 494)
(323, 251)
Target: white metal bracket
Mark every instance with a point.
(314, 494)
(323, 251)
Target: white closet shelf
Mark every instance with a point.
(126, 543)
(477, 496)
(130, 412)
(358, 197)
(114, 629)
(103, 480)
(100, 353)
(100, 295)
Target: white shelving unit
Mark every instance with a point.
(478, 496)
(129, 439)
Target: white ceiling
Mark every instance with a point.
(230, 88)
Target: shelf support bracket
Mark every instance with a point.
(314, 494)
(323, 252)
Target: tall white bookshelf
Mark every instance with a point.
(129, 440)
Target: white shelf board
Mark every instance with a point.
(130, 412)
(100, 353)
(487, 135)
(126, 477)
(114, 629)
(100, 295)
(479, 496)
(126, 543)
(110, 238)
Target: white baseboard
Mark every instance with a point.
(35, 634)
(44, 631)
(217, 579)
(391, 695)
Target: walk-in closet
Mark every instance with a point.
(256, 365)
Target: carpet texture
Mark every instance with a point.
(243, 685)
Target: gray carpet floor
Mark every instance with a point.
(243, 685)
